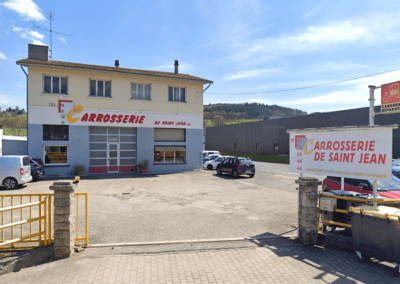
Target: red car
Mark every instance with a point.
(386, 190)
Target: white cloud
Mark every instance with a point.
(330, 98)
(18, 85)
(34, 36)
(372, 29)
(2, 56)
(334, 66)
(62, 39)
(183, 67)
(250, 74)
(38, 42)
(17, 30)
(25, 8)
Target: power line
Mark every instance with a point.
(307, 87)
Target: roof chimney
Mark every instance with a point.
(116, 63)
(176, 67)
(38, 52)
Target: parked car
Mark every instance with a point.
(212, 164)
(14, 170)
(237, 166)
(211, 157)
(388, 190)
(37, 168)
(208, 152)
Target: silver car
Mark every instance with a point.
(14, 170)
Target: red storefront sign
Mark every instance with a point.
(390, 97)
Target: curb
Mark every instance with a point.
(24, 259)
(157, 243)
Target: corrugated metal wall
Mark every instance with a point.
(268, 133)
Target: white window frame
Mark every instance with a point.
(164, 162)
(173, 95)
(51, 85)
(55, 164)
(137, 84)
(104, 89)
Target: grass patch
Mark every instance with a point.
(209, 122)
(262, 158)
(7, 131)
(240, 121)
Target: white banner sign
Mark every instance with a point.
(360, 154)
(77, 115)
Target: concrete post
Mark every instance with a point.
(308, 210)
(64, 226)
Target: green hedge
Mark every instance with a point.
(262, 158)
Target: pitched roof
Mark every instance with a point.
(72, 65)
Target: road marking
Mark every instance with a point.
(183, 176)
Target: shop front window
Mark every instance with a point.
(169, 154)
(55, 155)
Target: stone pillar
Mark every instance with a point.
(308, 210)
(64, 226)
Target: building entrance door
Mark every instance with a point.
(113, 157)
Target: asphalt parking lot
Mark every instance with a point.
(188, 206)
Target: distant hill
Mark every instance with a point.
(239, 113)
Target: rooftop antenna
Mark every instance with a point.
(51, 34)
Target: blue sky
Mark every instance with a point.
(244, 46)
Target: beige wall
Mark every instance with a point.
(78, 91)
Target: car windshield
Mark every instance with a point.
(396, 173)
(393, 186)
(396, 162)
(244, 161)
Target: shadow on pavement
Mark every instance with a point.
(335, 261)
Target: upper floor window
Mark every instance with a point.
(55, 132)
(100, 88)
(140, 92)
(55, 85)
(176, 94)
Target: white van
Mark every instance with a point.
(14, 170)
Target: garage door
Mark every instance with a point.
(112, 149)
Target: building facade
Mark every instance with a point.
(270, 137)
(109, 119)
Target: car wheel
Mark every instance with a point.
(10, 183)
(210, 167)
(361, 257)
(251, 176)
(235, 174)
(397, 271)
(219, 172)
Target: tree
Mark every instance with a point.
(218, 120)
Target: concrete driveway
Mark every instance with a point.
(187, 206)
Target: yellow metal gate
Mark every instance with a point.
(27, 220)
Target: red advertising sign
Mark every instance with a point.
(390, 97)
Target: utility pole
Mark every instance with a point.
(372, 123)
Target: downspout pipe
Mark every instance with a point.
(209, 84)
(27, 112)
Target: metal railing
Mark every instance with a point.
(27, 220)
(13, 221)
(367, 201)
(85, 237)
